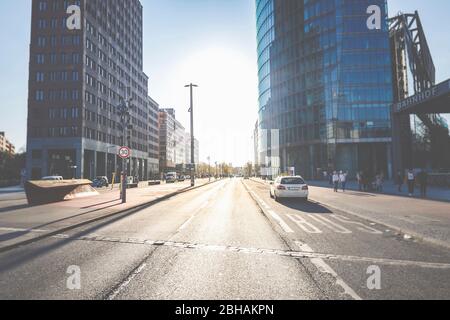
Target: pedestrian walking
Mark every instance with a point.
(359, 179)
(364, 181)
(400, 180)
(379, 182)
(411, 177)
(422, 178)
(335, 181)
(343, 180)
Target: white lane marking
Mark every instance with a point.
(303, 224)
(127, 282)
(22, 230)
(203, 206)
(186, 223)
(281, 222)
(330, 224)
(323, 267)
(361, 227)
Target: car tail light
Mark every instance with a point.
(281, 188)
(305, 188)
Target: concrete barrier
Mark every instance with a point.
(154, 183)
(44, 192)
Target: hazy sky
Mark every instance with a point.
(209, 42)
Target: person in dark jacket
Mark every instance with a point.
(400, 180)
(422, 178)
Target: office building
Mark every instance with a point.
(167, 150)
(86, 58)
(153, 163)
(6, 145)
(325, 84)
(174, 144)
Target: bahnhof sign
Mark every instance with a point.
(431, 101)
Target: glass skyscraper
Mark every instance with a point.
(325, 84)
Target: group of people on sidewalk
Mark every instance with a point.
(411, 179)
(369, 183)
(339, 179)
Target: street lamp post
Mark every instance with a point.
(191, 110)
(209, 168)
(125, 117)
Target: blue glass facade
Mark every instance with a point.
(325, 84)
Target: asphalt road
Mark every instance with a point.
(228, 240)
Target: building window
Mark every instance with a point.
(40, 59)
(42, 24)
(41, 42)
(39, 95)
(42, 6)
(39, 77)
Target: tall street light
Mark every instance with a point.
(125, 119)
(191, 110)
(209, 168)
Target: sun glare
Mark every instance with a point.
(226, 100)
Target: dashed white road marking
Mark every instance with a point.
(303, 224)
(281, 222)
(361, 227)
(186, 223)
(323, 267)
(330, 224)
(124, 284)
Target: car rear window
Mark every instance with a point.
(292, 181)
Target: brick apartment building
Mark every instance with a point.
(86, 57)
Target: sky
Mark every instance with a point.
(211, 43)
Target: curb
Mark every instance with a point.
(130, 210)
(414, 234)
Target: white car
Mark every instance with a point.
(171, 177)
(289, 187)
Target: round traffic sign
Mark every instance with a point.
(124, 152)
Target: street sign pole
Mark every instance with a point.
(124, 180)
(124, 153)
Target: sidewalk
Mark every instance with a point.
(390, 188)
(423, 219)
(11, 189)
(20, 222)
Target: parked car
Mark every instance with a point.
(52, 178)
(105, 179)
(171, 177)
(100, 182)
(181, 179)
(289, 187)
